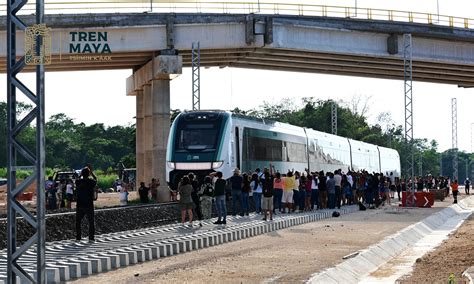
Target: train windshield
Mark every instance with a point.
(197, 137)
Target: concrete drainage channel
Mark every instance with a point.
(66, 260)
(400, 250)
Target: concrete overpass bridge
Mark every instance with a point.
(157, 45)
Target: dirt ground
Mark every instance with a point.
(290, 255)
(454, 255)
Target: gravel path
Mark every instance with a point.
(290, 255)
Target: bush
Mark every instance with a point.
(105, 181)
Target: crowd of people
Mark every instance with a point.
(59, 195)
(273, 192)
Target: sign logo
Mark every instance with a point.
(89, 46)
(34, 54)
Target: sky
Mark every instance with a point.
(99, 96)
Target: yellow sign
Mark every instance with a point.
(35, 55)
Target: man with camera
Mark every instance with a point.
(85, 186)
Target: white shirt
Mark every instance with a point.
(337, 180)
(297, 184)
(349, 180)
(314, 184)
(69, 189)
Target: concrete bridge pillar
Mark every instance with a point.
(152, 132)
(146, 138)
(140, 147)
(161, 128)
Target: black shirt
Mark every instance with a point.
(85, 193)
(219, 187)
(267, 187)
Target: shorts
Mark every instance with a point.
(287, 196)
(267, 203)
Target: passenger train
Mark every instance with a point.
(205, 141)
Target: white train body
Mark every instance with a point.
(206, 141)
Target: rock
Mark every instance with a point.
(136, 274)
(418, 260)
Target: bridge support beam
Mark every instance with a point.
(152, 82)
(140, 147)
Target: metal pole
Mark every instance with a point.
(408, 90)
(472, 124)
(17, 150)
(356, 8)
(454, 131)
(334, 117)
(196, 75)
(437, 9)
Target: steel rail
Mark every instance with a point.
(226, 7)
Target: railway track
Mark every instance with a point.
(98, 210)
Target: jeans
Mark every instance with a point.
(245, 202)
(338, 196)
(257, 197)
(89, 213)
(314, 199)
(236, 197)
(277, 194)
(302, 199)
(221, 207)
(332, 200)
(296, 198)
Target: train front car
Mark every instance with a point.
(197, 144)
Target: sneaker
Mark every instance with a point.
(264, 219)
(218, 222)
(200, 224)
(224, 222)
(91, 241)
(271, 219)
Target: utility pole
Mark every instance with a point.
(334, 117)
(196, 75)
(454, 131)
(37, 48)
(408, 90)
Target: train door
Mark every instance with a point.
(237, 147)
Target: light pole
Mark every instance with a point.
(437, 9)
(355, 8)
(472, 124)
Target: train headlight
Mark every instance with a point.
(216, 165)
(170, 165)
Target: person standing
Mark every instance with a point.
(467, 184)
(288, 185)
(338, 188)
(246, 189)
(69, 193)
(454, 189)
(206, 192)
(323, 190)
(85, 202)
(236, 182)
(331, 186)
(194, 195)
(277, 193)
(219, 194)
(256, 186)
(154, 188)
(314, 192)
(267, 203)
(143, 192)
(186, 202)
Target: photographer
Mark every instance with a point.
(85, 201)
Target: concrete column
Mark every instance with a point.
(161, 128)
(139, 143)
(148, 137)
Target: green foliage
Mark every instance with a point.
(71, 145)
(105, 181)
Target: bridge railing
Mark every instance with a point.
(237, 7)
